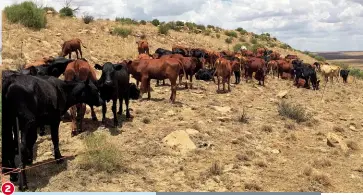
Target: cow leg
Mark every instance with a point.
(127, 100)
(157, 82)
(104, 110)
(229, 83)
(79, 118)
(218, 82)
(73, 118)
(163, 81)
(173, 90)
(191, 81)
(82, 113)
(137, 83)
(120, 100)
(148, 89)
(77, 54)
(93, 114)
(55, 139)
(80, 52)
(42, 130)
(224, 84)
(115, 121)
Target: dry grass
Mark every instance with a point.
(216, 168)
(353, 145)
(322, 163)
(295, 112)
(266, 128)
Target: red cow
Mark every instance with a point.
(143, 47)
(72, 45)
(224, 70)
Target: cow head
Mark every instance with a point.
(85, 92)
(108, 73)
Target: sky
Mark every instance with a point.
(313, 25)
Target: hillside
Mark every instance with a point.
(352, 58)
(240, 142)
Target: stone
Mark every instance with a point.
(353, 128)
(192, 131)
(282, 94)
(58, 34)
(46, 44)
(170, 113)
(222, 109)
(333, 140)
(275, 151)
(224, 119)
(180, 140)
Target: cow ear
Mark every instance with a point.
(117, 67)
(33, 71)
(129, 62)
(98, 67)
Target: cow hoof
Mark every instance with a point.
(74, 133)
(24, 188)
(60, 161)
(42, 133)
(94, 119)
(119, 112)
(13, 178)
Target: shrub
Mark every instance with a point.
(173, 26)
(155, 22)
(201, 27)
(237, 47)
(255, 47)
(356, 73)
(27, 14)
(210, 26)
(66, 12)
(123, 32)
(241, 31)
(50, 9)
(254, 41)
(126, 20)
(101, 155)
(190, 25)
(229, 40)
(218, 36)
(143, 22)
(285, 46)
(272, 44)
(242, 39)
(231, 34)
(179, 23)
(164, 29)
(294, 112)
(88, 19)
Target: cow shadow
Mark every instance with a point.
(40, 173)
(221, 91)
(152, 99)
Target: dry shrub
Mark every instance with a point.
(266, 128)
(321, 178)
(291, 137)
(253, 186)
(243, 118)
(321, 163)
(352, 145)
(294, 112)
(146, 120)
(261, 163)
(101, 155)
(290, 126)
(308, 171)
(338, 129)
(216, 168)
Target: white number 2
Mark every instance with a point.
(7, 189)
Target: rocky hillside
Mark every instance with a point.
(272, 138)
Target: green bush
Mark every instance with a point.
(229, 40)
(255, 47)
(218, 36)
(191, 25)
(50, 9)
(210, 26)
(201, 27)
(173, 26)
(66, 12)
(231, 34)
(179, 23)
(356, 73)
(155, 22)
(88, 19)
(294, 112)
(143, 22)
(237, 47)
(242, 39)
(285, 46)
(164, 29)
(123, 32)
(27, 14)
(126, 20)
(254, 41)
(272, 44)
(207, 32)
(241, 31)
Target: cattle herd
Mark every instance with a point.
(34, 96)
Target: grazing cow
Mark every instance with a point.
(82, 70)
(160, 52)
(284, 67)
(224, 70)
(73, 45)
(197, 53)
(145, 70)
(114, 84)
(330, 71)
(306, 72)
(275, 56)
(142, 47)
(317, 66)
(344, 74)
(291, 57)
(144, 56)
(248, 53)
(236, 64)
(211, 57)
(273, 67)
(177, 49)
(258, 66)
(205, 74)
(37, 101)
(225, 53)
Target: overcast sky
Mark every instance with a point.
(314, 25)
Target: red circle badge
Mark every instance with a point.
(7, 188)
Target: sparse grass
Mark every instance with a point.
(216, 168)
(291, 111)
(253, 186)
(127, 21)
(243, 118)
(285, 46)
(254, 41)
(308, 171)
(261, 163)
(266, 128)
(123, 32)
(101, 155)
(88, 19)
(231, 34)
(27, 14)
(146, 120)
(321, 178)
(228, 40)
(338, 129)
(321, 163)
(242, 39)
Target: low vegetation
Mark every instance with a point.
(164, 29)
(295, 112)
(66, 12)
(231, 34)
(87, 19)
(123, 32)
(27, 14)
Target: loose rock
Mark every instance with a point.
(180, 140)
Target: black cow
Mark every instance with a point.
(113, 84)
(198, 53)
(205, 74)
(180, 51)
(36, 101)
(344, 74)
(308, 73)
(160, 52)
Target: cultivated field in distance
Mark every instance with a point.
(272, 138)
(351, 58)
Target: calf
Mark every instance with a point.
(330, 71)
(344, 74)
(205, 74)
(224, 70)
(306, 72)
(80, 69)
(160, 52)
(37, 101)
(258, 66)
(73, 45)
(143, 47)
(113, 85)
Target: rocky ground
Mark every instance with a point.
(206, 141)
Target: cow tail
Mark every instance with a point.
(82, 44)
(181, 65)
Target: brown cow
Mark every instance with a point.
(143, 47)
(283, 66)
(82, 70)
(291, 57)
(258, 66)
(145, 70)
(272, 66)
(247, 53)
(144, 56)
(286, 76)
(275, 56)
(39, 62)
(224, 70)
(300, 83)
(73, 45)
(211, 58)
(260, 52)
(177, 49)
